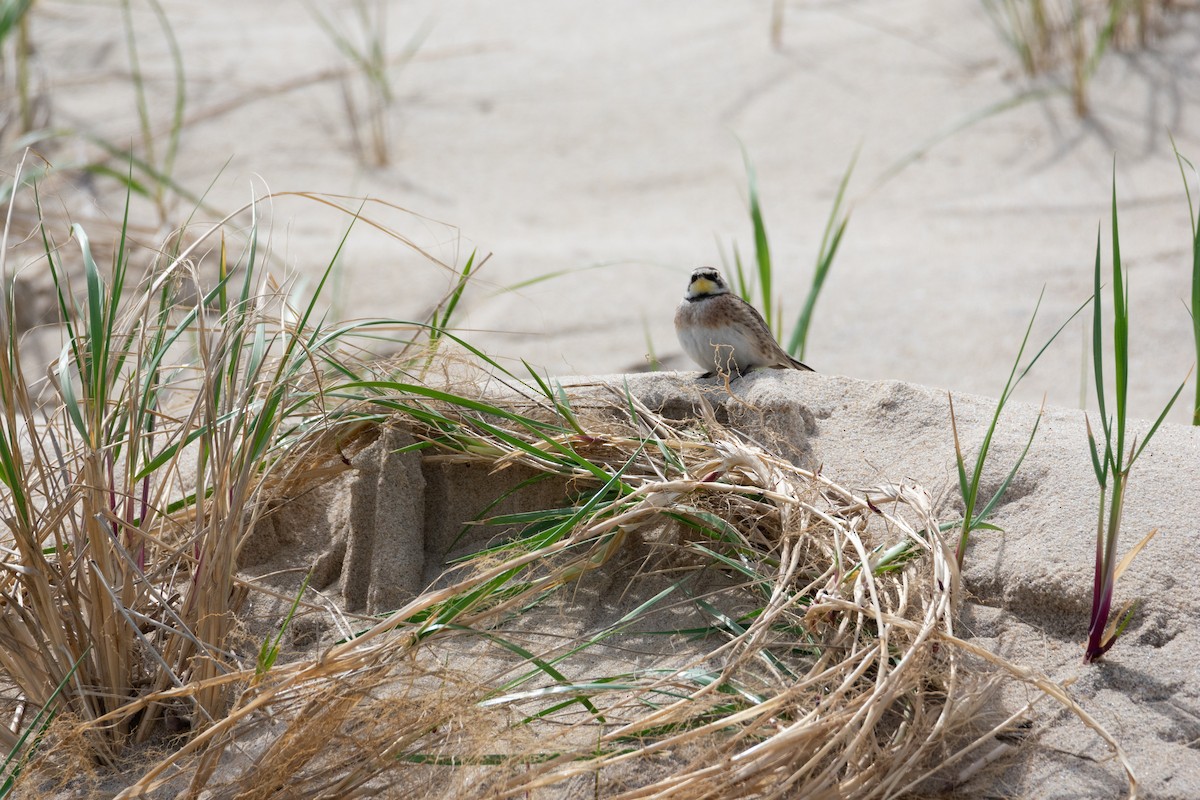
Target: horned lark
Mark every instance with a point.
(723, 333)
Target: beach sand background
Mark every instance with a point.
(600, 143)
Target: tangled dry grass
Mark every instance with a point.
(700, 617)
(771, 634)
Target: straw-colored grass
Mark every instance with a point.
(132, 465)
(769, 633)
(1049, 36)
(699, 618)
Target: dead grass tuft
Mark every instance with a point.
(700, 618)
(710, 621)
(1073, 35)
(133, 465)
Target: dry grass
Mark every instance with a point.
(767, 632)
(133, 463)
(812, 653)
(1049, 36)
(702, 618)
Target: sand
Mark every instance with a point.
(601, 141)
(563, 136)
(1027, 586)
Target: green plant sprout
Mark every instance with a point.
(269, 652)
(968, 486)
(1110, 460)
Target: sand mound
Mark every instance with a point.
(387, 528)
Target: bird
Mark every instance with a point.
(723, 333)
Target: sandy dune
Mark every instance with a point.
(601, 141)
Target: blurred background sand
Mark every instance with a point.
(601, 141)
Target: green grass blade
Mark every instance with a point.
(798, 344)
(731, 563)
(1098, 359)
(180, 99)
(956, 127)
(731, 626)
(482, 517)
(11, 14)
(619, 625)
(1121, 626)
(126, 179)
(562, 404)
(1120, 333)
(138, 80)
(1194, 309)
(40, 722)
(830, 240)
(146, 168)
(670, 458)
(542, 666)
(549, 276)
(543, 386)
(1195, 313)
(762, 249)
(269, 651)
(457, 605)
(964, 486)
(66, 388)
(1154, 428)
(457, 293)
(1187, 190)
(712, 525)
(969, 486)
(1100, 466)
(93, 369)
(1012, 473)
(1049, 341)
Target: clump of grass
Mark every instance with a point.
(789, 653)
(133, 470)
(1075, 35)
(364, 43)
(789, 639)
(1110, 459)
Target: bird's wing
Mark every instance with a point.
(800, 365)
(757, 316)
(785, 358)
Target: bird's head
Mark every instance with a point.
(704, 282)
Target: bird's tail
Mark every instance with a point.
(800, 365)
